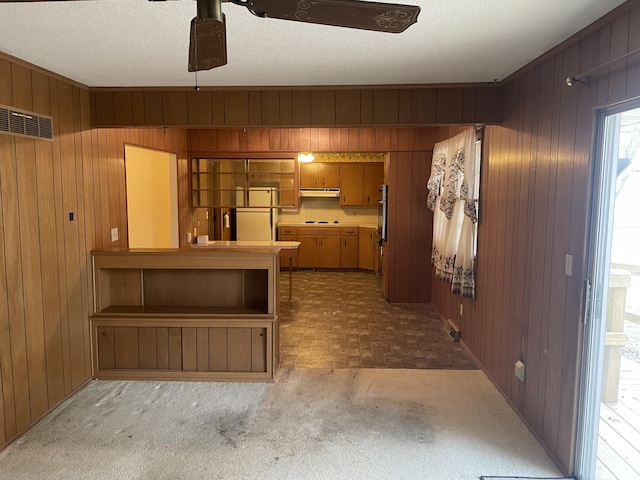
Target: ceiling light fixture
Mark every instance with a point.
(305, 157)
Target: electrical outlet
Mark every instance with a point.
(519, 370)
(114, 234)
(461, 309)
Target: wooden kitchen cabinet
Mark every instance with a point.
(185, 315)
(349, 247)
(319, 247)
(359, 183)
(351, 183)
(367, 248)
(225, 182)
(328, 252)
(306, 255)
(373, 178)
(319, 175)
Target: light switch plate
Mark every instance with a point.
(519, 370)
(568, 265)
(114, 234)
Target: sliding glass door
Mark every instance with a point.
(609, 428)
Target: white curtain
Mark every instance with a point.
(453, 189)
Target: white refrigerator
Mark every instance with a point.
(256, 224)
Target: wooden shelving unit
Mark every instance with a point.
(185, 315)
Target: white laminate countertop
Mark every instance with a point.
(246, 244)
(325, 225)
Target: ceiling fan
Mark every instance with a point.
(208, 40)
(208, 43)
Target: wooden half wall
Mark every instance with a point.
(534, 206)
(321, 107)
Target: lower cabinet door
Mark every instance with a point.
(182, 349)
(349, 252)
(307, 252)
(328, 252)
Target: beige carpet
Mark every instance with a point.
(312, 424)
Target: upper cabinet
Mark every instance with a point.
(319, 175)
(230, 182)
(373, 178)
(359, 183)
(351, 183)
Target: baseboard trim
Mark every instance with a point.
(10, 440)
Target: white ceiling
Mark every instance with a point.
(140, 43)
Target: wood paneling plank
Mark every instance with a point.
(239, 349)
(347, 107)
(148, 348)
(301, 107)
(175, 348)
(424, 105)
(258, 349)
(105, 108)
(218, 350)
(15, 295)
(270, 107)
(236, 108)
(162, 341)
(106, 348)
(153, 109)
(123, 108)
(7, 165)
(189, 350)
(323, 107)
(126, 347)
(202, 346)
(199, 108)
(449, 109)
(385, 107)
(31, 275)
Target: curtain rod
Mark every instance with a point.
(585, 77)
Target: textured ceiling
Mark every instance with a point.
(140, 43)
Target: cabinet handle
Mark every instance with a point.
(367, 198)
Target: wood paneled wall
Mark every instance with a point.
(299, 108)
(534, 209)
(45, 284)
(45, 292)
(409, 168)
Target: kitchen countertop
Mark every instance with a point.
(246, 244)
(325, 225)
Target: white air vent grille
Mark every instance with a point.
(14, 121)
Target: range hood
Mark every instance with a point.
(320, 192)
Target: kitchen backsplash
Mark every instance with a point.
(329, 209)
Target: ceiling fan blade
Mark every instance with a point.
(208, 42)
(380, 17)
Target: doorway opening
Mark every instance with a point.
(609, 427)
(152, 197)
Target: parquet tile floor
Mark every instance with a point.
(341, 320)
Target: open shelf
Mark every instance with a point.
(158, 302)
